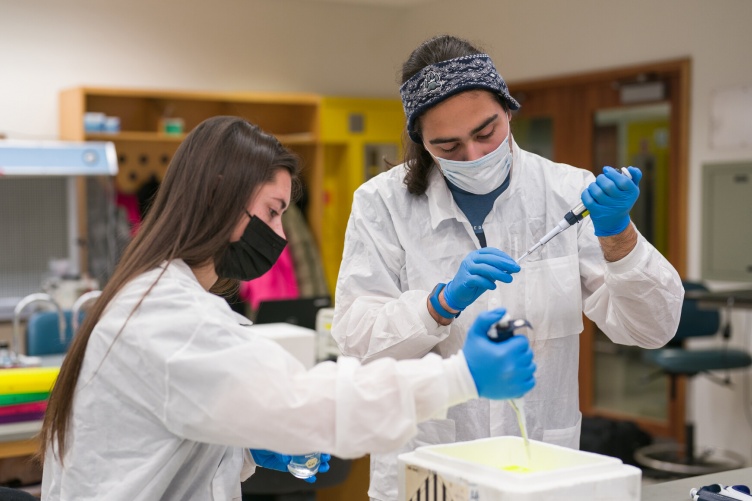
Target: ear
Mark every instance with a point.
(431, 154)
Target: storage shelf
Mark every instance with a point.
(274, 98)
(134, 136)
(291, 139)
(301, 138)
(145, 151)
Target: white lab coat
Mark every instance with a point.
(167, 408)
(399, 246)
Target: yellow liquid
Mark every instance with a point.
(522, 422)
(516, 469)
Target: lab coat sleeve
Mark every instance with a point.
(255, 395)
(249, 465)
(634, 301)
(375, 315)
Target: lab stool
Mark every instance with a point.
(674, 360)
(8, 494)
(43, 333)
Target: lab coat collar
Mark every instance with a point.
(441, 204)
(178, 270)
(515, 181)
(182, 271)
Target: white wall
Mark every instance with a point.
(336, 49)
(264, 45)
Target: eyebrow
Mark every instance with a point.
(440, 140)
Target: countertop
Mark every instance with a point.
(678, 490)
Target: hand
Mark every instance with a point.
(275, 461)
(500, 370)
(610, 198)
(323, 467)
(479, 272)
(270, 460)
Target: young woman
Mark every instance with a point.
(165, 389)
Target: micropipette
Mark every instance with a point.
(577, 214)
(719, 491)
(503, 330)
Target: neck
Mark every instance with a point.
(206, 275)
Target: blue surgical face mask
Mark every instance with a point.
(482, 175)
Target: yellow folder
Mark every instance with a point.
(27, 380)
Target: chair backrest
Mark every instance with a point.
(43, 334)
(694, 321)
(8, 494)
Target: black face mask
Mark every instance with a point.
(254, 254)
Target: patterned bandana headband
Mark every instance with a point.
(437, 82)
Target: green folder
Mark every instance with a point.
(22, 398)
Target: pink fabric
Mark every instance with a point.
(130, 204)
(30, 407)
(277, 283)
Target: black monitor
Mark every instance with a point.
(300, 312)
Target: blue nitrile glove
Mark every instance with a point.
(500, 370)
(479, 272)
(610, 198)
(275, 461)
(270, 460)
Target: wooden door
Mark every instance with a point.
(563, 113)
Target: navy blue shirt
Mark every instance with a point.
(476, 207)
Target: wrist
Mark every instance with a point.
(443, 302)
(435, 316)
(616, 247)
(447, 302)
(438, 308)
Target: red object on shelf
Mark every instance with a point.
(27, 408)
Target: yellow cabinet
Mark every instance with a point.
(358, 136)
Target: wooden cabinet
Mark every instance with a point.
(144, 151)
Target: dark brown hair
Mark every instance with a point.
(435, 50)
(216, 170)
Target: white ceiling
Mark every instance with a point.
(378, 3)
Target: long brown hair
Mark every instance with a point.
(216, 170)
(435, 50)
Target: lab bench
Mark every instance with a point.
(678, 490)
